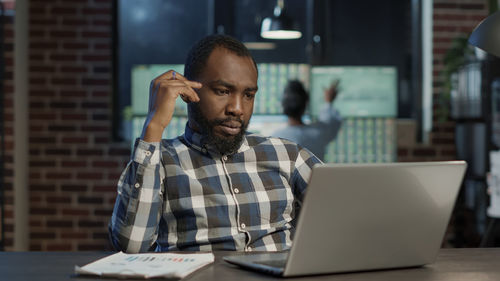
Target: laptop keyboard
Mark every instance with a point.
(280, 263)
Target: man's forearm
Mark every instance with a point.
(139, 201)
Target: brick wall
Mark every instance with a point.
(74, 165)
(451, 19)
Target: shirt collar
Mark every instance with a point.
(199, 142)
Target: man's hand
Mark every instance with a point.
(163, 91)
(331, 93)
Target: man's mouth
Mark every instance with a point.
(231, 127)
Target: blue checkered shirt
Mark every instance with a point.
(180, 194)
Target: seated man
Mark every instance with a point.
(314, 136)
(216, 187)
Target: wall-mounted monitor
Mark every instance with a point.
(364, 91)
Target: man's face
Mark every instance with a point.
(226, 99)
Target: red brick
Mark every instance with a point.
(74, 235)
(119, 151)
(42, 211)
(74, 22)
(104, 188)
(73, 188)
(59, 34)
(105, 164)
(35, 223)
(57, 151)
(88, 223)
(91, 247)
(95, 128)
(75, 140)
(42, 164)
(101, 22)
(102, 46)
(59, 247)
(35, 247)
(74, 69)
(58, 199)
(96, 58)
(101, 140)
(73, 164)
(42, 116)
(72, 117)
(42, 235)
(61, 105)
(96, 34)
(34, 175)
(42, 187)
(100, 117)
(100, 236)
(89, 176)
(35, 199)
(89, 200)
(58, 176)
(59, 223)
(73, 93)
(95, 82)
(76, 46)
(75, 212)
(64, 81)
(424, 152)
(43, 46)
(89, 152)
(103, 213)
(43, 21)
(96, 11)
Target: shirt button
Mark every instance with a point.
(236, 190)
(148, 153)
(243, 225)
(137, 185)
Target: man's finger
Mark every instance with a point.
(166, 75)
(189, 95)
(178, 83)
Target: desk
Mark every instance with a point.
(451, 265)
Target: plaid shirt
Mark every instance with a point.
(181, 194)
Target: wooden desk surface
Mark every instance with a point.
(451, 265)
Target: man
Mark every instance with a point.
(216, 187)
(314, 136)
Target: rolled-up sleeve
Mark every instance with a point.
(138, 207)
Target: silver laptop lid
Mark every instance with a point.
(374, 216)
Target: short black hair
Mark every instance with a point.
(295, 99)
(198, 55)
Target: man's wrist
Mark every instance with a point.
(152, 132)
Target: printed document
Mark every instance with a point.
(146, 265)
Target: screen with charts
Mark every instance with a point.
(365, 91)
(367, 102)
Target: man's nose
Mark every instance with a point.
(235, 105)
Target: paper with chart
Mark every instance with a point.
(146, 265)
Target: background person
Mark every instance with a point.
(314, 136)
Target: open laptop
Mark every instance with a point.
(360, 217)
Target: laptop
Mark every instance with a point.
(361, 217)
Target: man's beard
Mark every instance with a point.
(225, 145)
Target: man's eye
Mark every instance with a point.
(221, 91)
(250, 96)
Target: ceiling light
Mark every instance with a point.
(280, 26)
